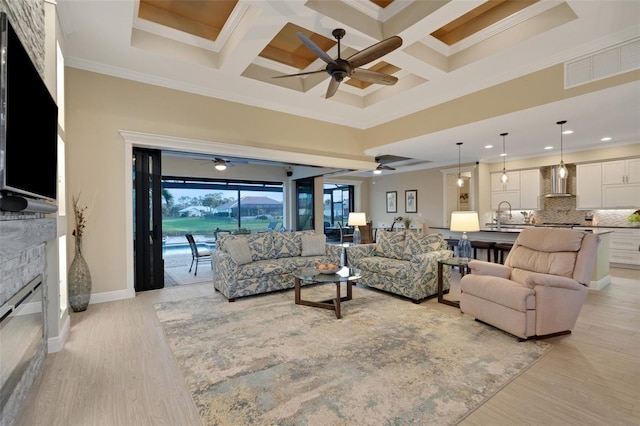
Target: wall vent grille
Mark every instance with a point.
(605, 63)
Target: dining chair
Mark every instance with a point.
(196, 255)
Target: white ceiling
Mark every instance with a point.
(107, 37)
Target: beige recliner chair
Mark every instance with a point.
(541, 287)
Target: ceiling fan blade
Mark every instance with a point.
(333, 88)
(315, 49)
(375, 51)
(373, 77)
(383, 167)
(299, 74)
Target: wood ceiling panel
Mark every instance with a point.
(382, 66)
(202, 18)
(382, 3)
(478, 19)
(286, 48)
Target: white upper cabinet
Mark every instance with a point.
(513, 183)
(531, 188)
(589, 186)
(609, 185)
(523, 189)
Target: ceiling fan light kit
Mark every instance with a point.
(339, 69)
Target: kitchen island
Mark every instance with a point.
(508, 234)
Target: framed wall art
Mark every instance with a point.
(411, 201)
(392, 201)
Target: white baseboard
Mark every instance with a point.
(55, 344)
(112, 296)
(600, 284)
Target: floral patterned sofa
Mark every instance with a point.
(245, 265)
(403, 263)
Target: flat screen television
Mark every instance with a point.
(28, 123)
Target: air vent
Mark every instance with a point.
(602, 64)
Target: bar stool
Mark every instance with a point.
(485, 245)
(501, 248)
(451, 243)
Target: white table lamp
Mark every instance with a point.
(355, 220)
(464, 222)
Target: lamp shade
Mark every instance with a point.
(465, 221)
(357, 219)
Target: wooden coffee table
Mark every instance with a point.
(311, 275)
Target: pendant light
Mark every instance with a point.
(460, 182)
(562, 170)
(504, 178)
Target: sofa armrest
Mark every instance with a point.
(547, 280)
(480, 267)
(436, 254)
(359, 251)
(427, 263)
(334, 253)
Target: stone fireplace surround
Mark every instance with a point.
(23, 240)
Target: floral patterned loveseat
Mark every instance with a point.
(244, 265)
(403, 263)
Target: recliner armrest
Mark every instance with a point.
(480, 267)
(548, 280)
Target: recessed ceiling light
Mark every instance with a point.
(377, 172)
(548, 147)
(567, 132)
(488, 146)
(504, 154)
(606, 139)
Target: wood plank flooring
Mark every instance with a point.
(117, 369)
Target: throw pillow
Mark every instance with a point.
(390, 244)
(239, 250)
(313, 245)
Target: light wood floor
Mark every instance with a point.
(117, 369)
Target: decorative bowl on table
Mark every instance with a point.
(327, 268)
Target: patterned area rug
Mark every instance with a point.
(265, 360)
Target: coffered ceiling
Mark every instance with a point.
(233, 50)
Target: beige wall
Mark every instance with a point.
(98, 107)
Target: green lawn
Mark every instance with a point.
(176, 226)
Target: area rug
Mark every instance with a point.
(264, 360)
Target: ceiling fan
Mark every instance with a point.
(222, 164)
(340, 68)
(385, 159)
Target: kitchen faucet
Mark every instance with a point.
(500, 212)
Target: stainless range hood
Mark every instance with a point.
(558, 185)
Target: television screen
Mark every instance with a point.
(28, 123)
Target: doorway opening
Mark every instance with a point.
(208, 209)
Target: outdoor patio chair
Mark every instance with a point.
(196, 255)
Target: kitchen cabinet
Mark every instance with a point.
(608, 185)
(624, 246)
(621, 183)
(523, 189)
(513, 183)
(621, 172)
(589, 186)
(531, 188)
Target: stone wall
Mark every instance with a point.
(23, 236)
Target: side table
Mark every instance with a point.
(462, 264)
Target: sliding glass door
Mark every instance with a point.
(147, 202)
(304, 204)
